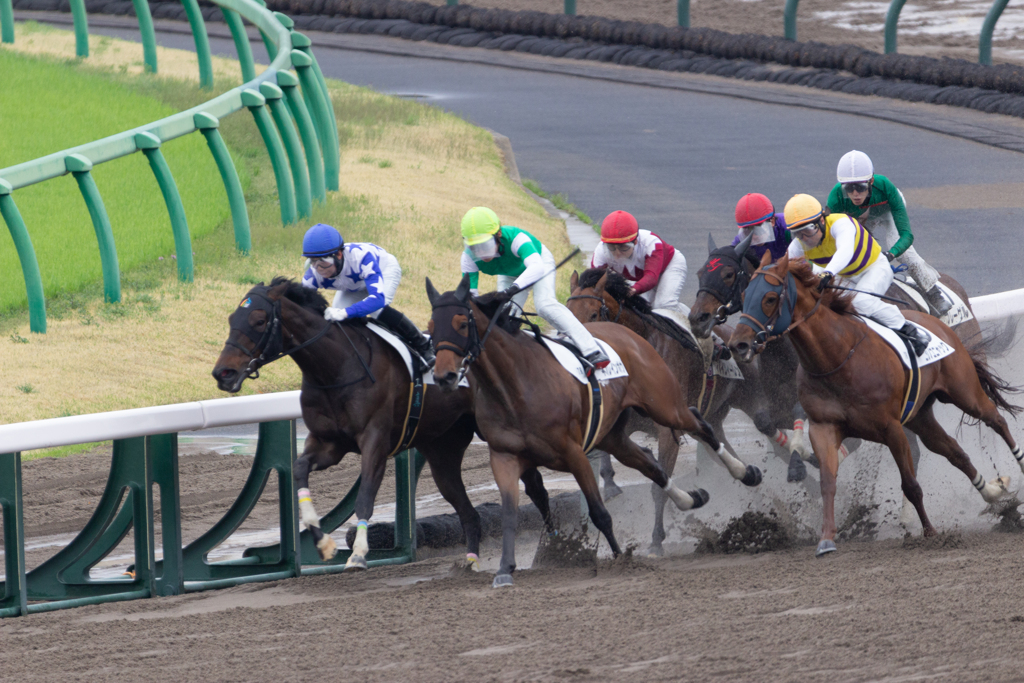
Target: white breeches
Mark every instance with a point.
(670, 287)
(391, 274)
(548, 307)
(876, 279)
(884, 230)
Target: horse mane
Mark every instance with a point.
(303, 296)
(839, 301)
(618, 287)
(490, 305)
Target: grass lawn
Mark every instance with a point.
(408, 173)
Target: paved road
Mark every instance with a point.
(680, 160)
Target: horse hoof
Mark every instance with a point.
(700, 498)
(752, 477)
(327, 548)
(797, 469)
(824, 548)
(611, 490)
(813, 460)
(502, 580)
(655, 551)
(355, 563)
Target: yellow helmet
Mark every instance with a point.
(802, 209)
(478, 225)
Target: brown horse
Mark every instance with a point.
(355, 395)
(533, 413)
(853, 384)
(602, 295)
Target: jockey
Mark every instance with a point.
(755, 215)
(656, 268)
(365, 278)
(836, 244)
(880, 207)
(520, 260)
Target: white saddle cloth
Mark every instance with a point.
(936, 350)
(574, 367)
(960, 312)
(403, 350)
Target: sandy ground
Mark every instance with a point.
(934, 28)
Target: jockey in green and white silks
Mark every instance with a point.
(520, 260)
(880, 207)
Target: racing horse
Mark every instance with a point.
(602, 295)
(532, 412)
(851, 383)
(355, 397)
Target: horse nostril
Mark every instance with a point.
(703, 317)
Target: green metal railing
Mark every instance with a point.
(299, 131)
(987, 28)
(126, 504)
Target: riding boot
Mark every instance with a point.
(599, 359)
(938, 300)
(919, 339)
(398, 323)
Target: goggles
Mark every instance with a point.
(855, 187)
(762, 232)
(322, 262)
(484, 250)
(804, 230)
(623, 248)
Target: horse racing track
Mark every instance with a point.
(950, 607)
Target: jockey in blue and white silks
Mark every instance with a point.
(365, 279)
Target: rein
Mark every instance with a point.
(605, 311)
(474, 342)
(860, 291)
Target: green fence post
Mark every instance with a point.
(452, 3)
(242, 47)
(27, 257)
(81, 28)
(329, 139)
(81, 169)
(987, 29)
(150, 146)
(207, 125)
(283, 120)
(147, 33)
(683, 13)
(202, 40)
(13, 599)
(891, 17)
(285, 191)
(570, 7)
(789, 19)
(6, 21)
(288, 83)
(267, 42)
(162, 451)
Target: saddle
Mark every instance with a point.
(960, 311)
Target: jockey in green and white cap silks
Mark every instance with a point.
(519, 260)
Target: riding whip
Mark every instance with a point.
(557, 266)
(861, 291)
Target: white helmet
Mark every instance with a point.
(855, 167)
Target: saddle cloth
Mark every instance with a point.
(936, 350)
(960, 312)
(403, 350)
(574, 366)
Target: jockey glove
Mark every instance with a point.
(512, 291)
(335, 314)
(825, 281)
(889, 255)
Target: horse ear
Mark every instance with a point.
(744, 244)
(711, 244)
(432, 293)
(574, 280)
(275, 293)
(783, 263)
(599, 287)
(767, 258)
(462, 291)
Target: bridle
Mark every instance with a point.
(768, 330)
(605, 311)
(716, 288)
(474, 345)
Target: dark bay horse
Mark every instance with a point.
(533, 413)
(355, 394)
(851, 383)
(602, 295)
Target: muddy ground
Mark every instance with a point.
(950, 608)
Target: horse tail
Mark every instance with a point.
(998, 344)
(994, 386)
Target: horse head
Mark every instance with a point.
(722, 279)
(590, 299)
(768, 307)
(452, 333)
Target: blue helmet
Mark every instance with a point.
(322, 240)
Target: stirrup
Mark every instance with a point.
(598, 359)
(938, 300)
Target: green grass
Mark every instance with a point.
(560, 201)
(49, 106)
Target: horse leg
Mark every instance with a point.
(668, 452)
(374, 464)
(906, 518)
(317, 455)
(580, 468)
(980, 407)
(749, 475)
(938, 441)
(899, 446)
(825, 440)
(533, 482)
(611, 489)
(446, 468)
(507, 470)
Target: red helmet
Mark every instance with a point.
(619, 227)
(752, 209)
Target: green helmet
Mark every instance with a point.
(479, 224)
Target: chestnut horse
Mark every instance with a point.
(355, 395)
(852, 383)
(602, 295)
(533, 413)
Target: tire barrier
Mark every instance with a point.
(145, 455)
(305, 159)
